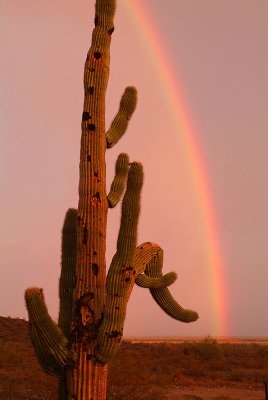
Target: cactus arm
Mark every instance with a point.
(120, 123)
(121, 274)
(119, 182)
(165, 300)
(149, 258)
(67, 277)
(153, 283)
(50, 345)
(163, 297)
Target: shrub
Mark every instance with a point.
(207, 349)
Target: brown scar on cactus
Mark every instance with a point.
(86, 116)
(97, 55)
(95, 269)
(91, 127)
(96, 20)
(85, 328)
(111, 31)
(85, 232)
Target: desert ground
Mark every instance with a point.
(187, 369)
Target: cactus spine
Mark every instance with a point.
(93, 308)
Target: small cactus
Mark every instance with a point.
(93, 306)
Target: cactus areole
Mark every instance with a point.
(93, 305)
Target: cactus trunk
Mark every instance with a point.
(88, 379)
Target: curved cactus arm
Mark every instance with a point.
(143, 255)
(151, 254)
(150, 283)
(119, 124)
(50, 345)
(119, 182)
(121, 275)
(67, 277)
(165, 300)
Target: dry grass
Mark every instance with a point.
(139, 371)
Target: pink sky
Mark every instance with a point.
(220, 57)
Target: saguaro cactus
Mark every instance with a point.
(93, 307)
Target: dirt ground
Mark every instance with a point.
(186, 393)
(212, 393)
(205, 369)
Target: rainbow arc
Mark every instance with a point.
(184, 126)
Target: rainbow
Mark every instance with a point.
(183, 123)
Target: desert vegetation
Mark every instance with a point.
(140, 371)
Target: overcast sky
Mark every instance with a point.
(218, 56)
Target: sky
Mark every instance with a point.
(198, 62)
